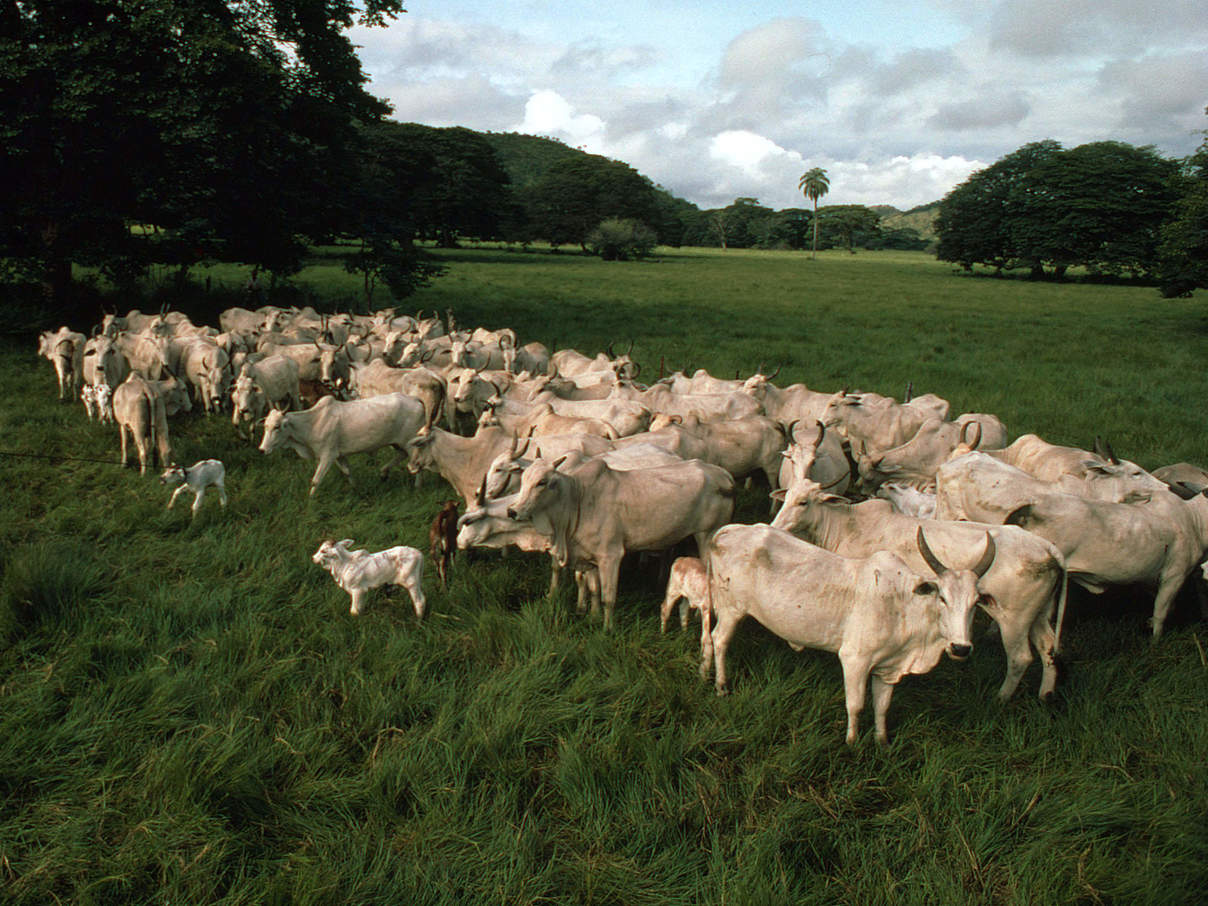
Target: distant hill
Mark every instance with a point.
(921, 219)
(527, 157)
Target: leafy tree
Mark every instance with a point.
(1183, 251)
(848, 225)
(622, 240)
(973, 221)
(220, 123)
(814, 183)
(464, 189)
(577, 193)
(1100, 205)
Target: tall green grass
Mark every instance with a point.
(191, 715)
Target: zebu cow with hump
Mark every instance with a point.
(872, 423)
(332, 429)
(594, 514)
(487, 525)
(1021, 586)
(64, 349)
(1071, 467)
(139, 410)
(881, 618)
(377, 378)
(916, 461)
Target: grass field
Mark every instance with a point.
(190, 714)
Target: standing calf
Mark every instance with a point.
(442, 540)
(358, 571)
(196, 478)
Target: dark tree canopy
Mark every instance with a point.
(576, 194)
(220, 123)
(1183, 251)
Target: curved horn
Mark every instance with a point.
(788, 432)
(776, 372)
(481, 496)
(1111, 454)
(637, 370)
(987, 558)
(512, 446)
(971, 438)
(662, 367)
(1097, 447)
(932, 561)
(630, 349)
(608, 349)
(909, 391)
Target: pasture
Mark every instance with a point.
(190, 714)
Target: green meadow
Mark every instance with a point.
(191, 715)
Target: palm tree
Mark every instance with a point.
(814, 183)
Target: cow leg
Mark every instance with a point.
(175, 494)
(1168, 587)
(1019, 652)
(610, 570)
(358, 600)
(342, 465)
(855, 687)
(555, 574)
(1044, 639)
(143, 445)
(669, 600)
(719, 644)
(882, 692)
(222, 497)
(197, 499)
(320, 470)
(399, 453)
(121, 431)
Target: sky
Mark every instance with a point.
(897, 101)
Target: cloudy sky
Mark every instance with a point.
(898, 101)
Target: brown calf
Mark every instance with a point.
(442, 539)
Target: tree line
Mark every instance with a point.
(1109, 207)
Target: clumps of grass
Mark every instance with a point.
(47, 583)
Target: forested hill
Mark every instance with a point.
(920, 219)
(527, 157)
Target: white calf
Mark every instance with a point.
(196, 478)
(688, 585)
(358, 571)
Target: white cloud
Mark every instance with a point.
(548, 113)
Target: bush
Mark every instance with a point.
(621, 239)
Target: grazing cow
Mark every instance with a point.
(487, 525)
(594, 513)
(332, 429)
(139, 411)
(978, 487)
(64, 349)
(359, 571)
(208, 473)
(882, 619)
(442, 539)
(1020, 590)
(1156, 542)
(908, 500)
(1183, 478)
(104, 362)
(917, 460)
(688, 586)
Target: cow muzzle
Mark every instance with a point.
(958, 651)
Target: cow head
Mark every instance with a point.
(421, 453)
(276, 431)
(799, 503)
(957, 593)
(173, 476)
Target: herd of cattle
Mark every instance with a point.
(892, 520)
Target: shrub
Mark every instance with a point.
(618, 239)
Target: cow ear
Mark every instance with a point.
(344, 542)
(560, 460)
(926, 588)
(1137, 497)
(1094, 467)
(778, 494)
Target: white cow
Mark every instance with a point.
(332, 429)
(359, 571)
(64, 349)
(688, 586)
(208, 473)
(883, 620)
